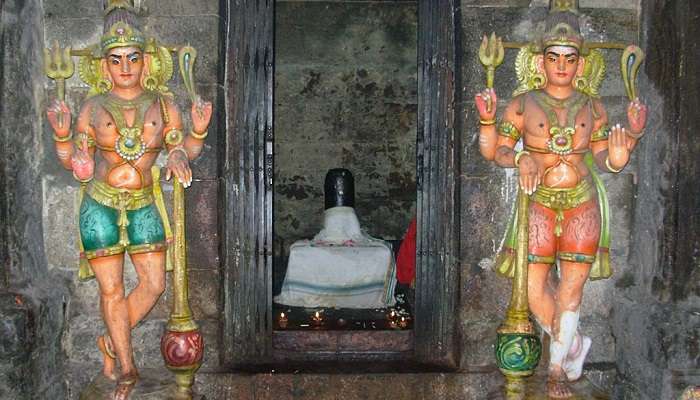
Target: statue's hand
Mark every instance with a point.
(201, 115)
(529, 176)
(179, 165)
(618, 152)
(637, 116)
(59, 118)
(486, 104)
(82, 163)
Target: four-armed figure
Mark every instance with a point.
(111, 149)
(564, 131)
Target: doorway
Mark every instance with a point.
(247, 171)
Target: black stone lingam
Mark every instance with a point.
(339, 188)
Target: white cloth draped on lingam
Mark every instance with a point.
(340, 267)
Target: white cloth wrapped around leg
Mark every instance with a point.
(341, 267)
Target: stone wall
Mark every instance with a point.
(31, 293)
(488, 192)
(655, 320)
(345, 96)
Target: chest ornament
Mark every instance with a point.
(130, 145)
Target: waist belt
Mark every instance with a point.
(564, 199)
(560, 200)
(120, 199)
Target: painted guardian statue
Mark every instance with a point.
(565, 134)
(128, 119)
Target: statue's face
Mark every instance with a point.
(125, 65)
(560, 64)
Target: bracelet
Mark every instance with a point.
(610, 168)
(63, 139)
(180, 148)
(519, 154)
(199, 136)
(82, 180)
(487, 122)
(635, 136)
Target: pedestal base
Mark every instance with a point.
(155, 384)
(535, 388)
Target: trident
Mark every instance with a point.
(491, 55)
(58, 66)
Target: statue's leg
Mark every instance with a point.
(150, 268)
(147, 251)
(577, 248)
(108, 271)
(100, 239)
(565, 324)
(542, 246)
(540, 296)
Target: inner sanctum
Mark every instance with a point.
(357, 199)
(345, 164)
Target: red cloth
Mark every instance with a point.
(406, 259)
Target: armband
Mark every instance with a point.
(173, 137)
(601, 134)
(509, 130)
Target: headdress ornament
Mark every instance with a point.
(562, 26)
(120, 28)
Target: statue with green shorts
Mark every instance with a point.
(128, 119)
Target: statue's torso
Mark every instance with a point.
(558, 171)
(111, 167)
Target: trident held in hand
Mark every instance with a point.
(58, 65)
(491, 55)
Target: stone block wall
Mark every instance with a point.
(32, 294)
(488, 192)
(345, 96)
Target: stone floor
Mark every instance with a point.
(475, 385)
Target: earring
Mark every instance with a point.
(580, 83)
(539, 80)
(104, 85)
(149, 83)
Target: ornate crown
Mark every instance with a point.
(562, 34)
(121, 34)
(562, 25)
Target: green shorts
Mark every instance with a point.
(100, 231)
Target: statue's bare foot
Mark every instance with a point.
(108, 357)
(558, 386)
(125, 384)
(574, 364)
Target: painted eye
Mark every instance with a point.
(134, 59)
(115, 61)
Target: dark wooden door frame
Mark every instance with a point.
(246, 180)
